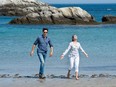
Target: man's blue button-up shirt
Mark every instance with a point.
(43, 43)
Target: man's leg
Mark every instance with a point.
(44, 58)
(42, 62)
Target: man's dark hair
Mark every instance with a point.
(45, 29)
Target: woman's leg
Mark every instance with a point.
(71, 66)
(76, 67)
(76, 74)
(68, 74)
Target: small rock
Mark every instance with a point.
(83, 76)
(94, 76)
(109, 19)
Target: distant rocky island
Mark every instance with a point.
(37, 12)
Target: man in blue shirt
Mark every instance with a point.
(42, 42)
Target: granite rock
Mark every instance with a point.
(36, 12)
(109, 19)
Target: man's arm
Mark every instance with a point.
(51, 47)
(33, 47)
(51, 51)
(32, 51)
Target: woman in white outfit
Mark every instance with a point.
(74, 47)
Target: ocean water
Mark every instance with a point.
(99, 41)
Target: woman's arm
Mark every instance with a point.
(83, 51)
(66, 51)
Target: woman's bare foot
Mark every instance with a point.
(76, 73)
(77, 78)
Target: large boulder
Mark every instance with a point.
(109, 19)
(20, 7)
(36, 12)
(67, 15)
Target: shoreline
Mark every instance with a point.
(52, 76)
(57, 81)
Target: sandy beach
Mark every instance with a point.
(100, 80)
(18, 69)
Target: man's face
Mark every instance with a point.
(45, 33)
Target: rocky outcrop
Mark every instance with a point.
(109, 19)
(20, 7)
(34, 12)
(67, 15)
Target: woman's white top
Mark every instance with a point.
(74, 49)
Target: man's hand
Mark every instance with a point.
(31, 53)
(51, 54)
(51, 51)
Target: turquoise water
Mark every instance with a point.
(99, 41)
(16, 41)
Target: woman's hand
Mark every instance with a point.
(61, 57)
(86, 55)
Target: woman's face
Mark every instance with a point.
(75, 37)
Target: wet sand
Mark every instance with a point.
(101, 80)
